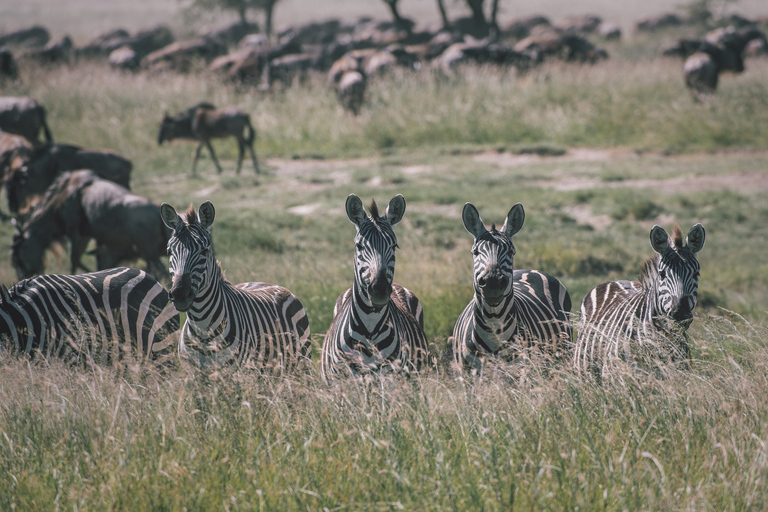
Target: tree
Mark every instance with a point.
(241, 7)
(400, 22)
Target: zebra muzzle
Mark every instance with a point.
(181, 293)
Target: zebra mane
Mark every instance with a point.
(191, 214)
(374, 211)
(493, 227)
(677, 237)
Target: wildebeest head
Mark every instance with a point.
(167, 130)
(27, 253)
(678, 272)
(493, 254)
(375, 245)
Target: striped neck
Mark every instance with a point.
(495, 325)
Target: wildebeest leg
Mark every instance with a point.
(79, 244)
(213, 155)
(197, 155)
(253, 157)
(240, 153)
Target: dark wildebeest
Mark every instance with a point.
(79, 206)
(26, 183)
(204, 122)
(24, 116)
(719, 51)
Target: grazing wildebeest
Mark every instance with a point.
(351, 90)
(24, 116)
(32, 178)
(204, 122)
(79, 206)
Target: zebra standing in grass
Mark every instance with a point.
(247, 323)
(102, 317)
(643, 321)
(378, 325)
(511, 309)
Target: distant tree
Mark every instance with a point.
(443, 14)
(480, 21)
(241, 7)
(396, 17)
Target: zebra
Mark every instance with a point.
(250, 324)
(646, 320)
(511, 309)
(378, 325)
(100, 316)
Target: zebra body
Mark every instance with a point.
(378, 325)
(248, 323)
(100, 316)
(511, 309)
(640, 322)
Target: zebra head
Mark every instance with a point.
(677, 270)
(493, 253)
(375, 245)
(190, 252)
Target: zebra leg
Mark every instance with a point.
(213, 155)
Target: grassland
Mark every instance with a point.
(637, 152)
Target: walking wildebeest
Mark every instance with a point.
(204, 122)
(28, 181)
(79, 206)
(24, 116)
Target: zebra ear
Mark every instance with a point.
(206, 213)
(355, 210)
(472, 221)
(695, 239)
(515, 219)
(395, 210)
(659, 239)
(169, 215)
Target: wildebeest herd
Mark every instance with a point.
(57, 191)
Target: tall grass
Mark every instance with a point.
(515, 439)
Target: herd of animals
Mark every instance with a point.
(58, 191)
(352, 53)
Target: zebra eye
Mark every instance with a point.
(663, 274)
(359, 246)
(696, 275)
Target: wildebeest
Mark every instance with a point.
(351, 91)
(24, 116)
(721, 50)
(43, 164)
(204, 122)
(79, 206)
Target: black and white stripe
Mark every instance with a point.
(249, 323)
(378, 325)
(511, 309)
(643, 322)
(101, 316)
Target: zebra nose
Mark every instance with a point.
(181, 293)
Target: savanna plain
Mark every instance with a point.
(596, 154)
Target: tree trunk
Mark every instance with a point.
(268, 8)
(478, 17)
(443, 14)
(399, 22)
(494, 25)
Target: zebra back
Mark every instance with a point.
(252, 324)
(103, 317)
(643, 323)
(511, 310)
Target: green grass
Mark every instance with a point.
(521, 438)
